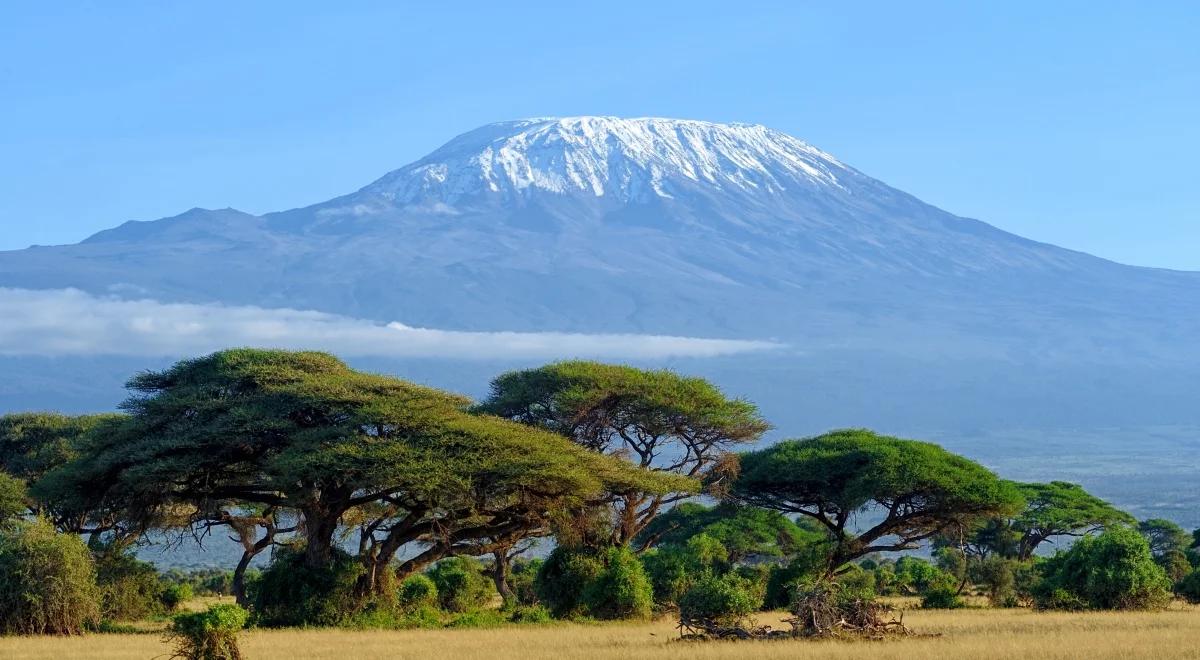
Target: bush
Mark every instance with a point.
(174, 595)
(668, 573)
(130, 589)
(782, 582)
(529, 614)
(523, 580)
(478, 618)
(997, 577)
(915, 576)
(208, 635)
(461, 584)
(291, 593)
(1175, 564)
(621, 590)
(941, 598)
(1112, 571)
(416, 592)
(562, 578)
(12, 499)
(726, 600)
(1189, 587)
(47, 582)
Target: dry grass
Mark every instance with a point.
(974, 633)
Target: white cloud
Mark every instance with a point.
(72, 322)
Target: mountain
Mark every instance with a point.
(892, 309)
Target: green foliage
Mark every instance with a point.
(1057, 509)
(915, 576)
(479, 618)
(47, 582)
(941, 598)
(857, 583)
(662, 421)
(461, 584)
(418, 591)
(208, 635)
(996, 575)
(175, 594)
(523, 580)
(744, 531)
(1189, 587)
(1164, 536)
(292, 593)
(130, 589)
(562, 579)
(837, 475)
(1175, 564)
(726, 599)
(12, 498)
(621, 590)
(1114, 570)
(530, 614)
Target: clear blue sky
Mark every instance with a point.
(1076, 123)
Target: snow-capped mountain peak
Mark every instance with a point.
(625, 159)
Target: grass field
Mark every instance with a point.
(972, 633)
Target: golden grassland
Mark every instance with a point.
(970, 633)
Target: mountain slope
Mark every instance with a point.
(648, 225)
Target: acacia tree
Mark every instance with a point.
(1058, 509)
(910, 491)
(302, 432)
(35, 443)
(744, 531)
(1164, 536)
(659, 420)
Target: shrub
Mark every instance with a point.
(941, 598)
(562, 578)
(783, 580)
(208, 635)
(523, 580)
(917, 576)
(856, 583)
(461, 584)
(417, 591)
(621, 590)
(1189, 587)
(997, 577)
(291, 593)
(47, 582)
(130, 589)
(478, 618)
(174, 595)
(1175, 564)
(1112, 571)
(726, 600)
(668, 573)
(529, 614)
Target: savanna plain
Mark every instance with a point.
(1000, 634)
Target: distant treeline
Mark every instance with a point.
(386, 503)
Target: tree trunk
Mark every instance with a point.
(239, 579)
(501, 569)
(319, 528)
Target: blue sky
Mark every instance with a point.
(1068, 122)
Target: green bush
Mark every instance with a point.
(291, 593)
(562, 578)
(997, 577)
(726, 599)
(523, 580)
(529, 614)
(461, 584)
(783, 580)
(1189, 587)
(418, 591)
(621, 590)
(915, 576)
(669, 576)
(175, 594)
(47, 582)
(1112, 571)
(130, 589)
(208, 635)
(941, 598)
(857, 583)
(1175, 564)
(479, 618)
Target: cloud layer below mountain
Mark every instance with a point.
(59, 322)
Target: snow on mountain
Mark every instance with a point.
(625, 159)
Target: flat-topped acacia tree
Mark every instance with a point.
(303, 432)
(659, 420)
(904, 491)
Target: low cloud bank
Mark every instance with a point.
(71, 322)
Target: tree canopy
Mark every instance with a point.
(660, 420)
(303, 431)
(743, 530)
(1057, 509)
(1164, 536)
(916, 489)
